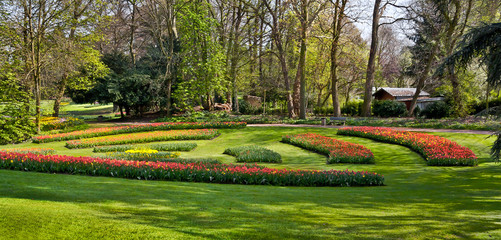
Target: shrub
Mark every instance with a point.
(337, 151)
(352, 108)
(194, 134)
(436, 110)
(246, 108)
(158, 147)
(187, 172)
(437, 151)
(143, 155)
(16, 124)
(253, 153)
(388, 108)
(42, 151)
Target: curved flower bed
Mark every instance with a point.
(253, 153)
(53, 123)
(337, 151)
(189, 172)
(437, 151)
(159, 147)
(143, 155)
(193, 134)
(43, 151)
(97, 132)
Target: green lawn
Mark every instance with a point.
(418, 201)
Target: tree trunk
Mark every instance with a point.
(285, 75)
(336, 33)
(366, 107)
(59, 97)
(132, 33)
(422, 79)
(302, 63)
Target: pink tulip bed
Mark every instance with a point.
(187, 172)
(437, 151)
(97, 132)
(337, 151)
(192, 134)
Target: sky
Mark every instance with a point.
(362, 11)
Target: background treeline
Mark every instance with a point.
(299, 56)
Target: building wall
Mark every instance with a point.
(384, 96)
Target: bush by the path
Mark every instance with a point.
(183, 147)
(192, 134)
(97, 132)
(190, 172)
(253, 153)
(53, 123)
(337, 151)
(143, 155)
(437, 151)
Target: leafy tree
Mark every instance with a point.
(482, 42)
(203, 64)
(16, 124)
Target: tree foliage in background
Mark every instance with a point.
(15, 121)
(483, 42)
(203, 61)
(388, 108)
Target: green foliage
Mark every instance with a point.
(203, 59)
(484, 42)
(246, 108)
(159, 147)
(143, 156)
(388, 108)
(15, 122)
(438, 109)
(253, 153)
(352, 108)
(496, 147)
(136, 92)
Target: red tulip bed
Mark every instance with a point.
(192, 134)
(337, 151)
(437, 151)
(189, 172)
(97, 132)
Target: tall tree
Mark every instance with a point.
(306, 11)
(277, 11)
(337, 27)
(160, 21)
(38, 20)
(456, 14)
(428, 27)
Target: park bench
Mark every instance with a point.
(334, 120)
(338, 119)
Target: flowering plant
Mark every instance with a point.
(337, 151)
(53, 123)
(189, 172)
(97, 132)
(437, 151)
(159, 147)
(192, 134)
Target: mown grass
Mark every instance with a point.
(418, 201)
